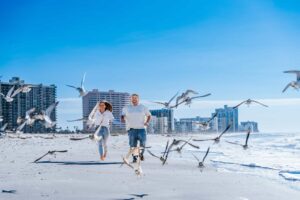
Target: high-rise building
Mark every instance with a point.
(253, 126)
(165, 120)
(117, 99)
(40, 97)
(226, 116)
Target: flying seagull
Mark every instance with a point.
(248, 102)
(245, 146)
(175, 143)
(90, 120)
(205, 125)
(45, 116)
(216, 139)
(184, 95)
(166, 104)
(293, 84)
(161, 158)
(188, 100)
(201, 163)
(81, 90)
(50, 152)
(9, 97)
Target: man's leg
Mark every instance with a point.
(142, 139)
(133, 138)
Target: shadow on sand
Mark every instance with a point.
(79, 163)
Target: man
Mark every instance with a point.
(137, 118)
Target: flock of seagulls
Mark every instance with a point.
(43, 117)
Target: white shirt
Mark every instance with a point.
(135, 116)
(103, 119)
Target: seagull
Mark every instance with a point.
(205, 125)
(1, 118)
(90, 120)
(248, 102)
(26, 88)
(45, 116)
(161, 158)
(216, 139)
(10, 94)
(27, 121)
(81, 90)
(184, 95)
(188, 100)
(166, 104)
(139, 195)
(245, 146)
(293, 84)
(201, 163)
(178, 149)
(175, 143)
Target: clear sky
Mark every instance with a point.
(235, 49)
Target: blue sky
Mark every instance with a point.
(235, 49)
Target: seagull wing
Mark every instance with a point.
(152, 154)
(51, 108)
(21, 126)
(10, 91)
(17, 91)
(187, 92)
(227, 128)
(28, 112)
(239, 104)
(76, 120)
(212, 117)
(173, 97)
(286, 87)
(247, 137)
(93, 112)
(157, 102)
(4, 127)
(196, 97)
(297, 72)
(205, 155)
(259, 103)
(166, 148)
(72, 86)
(83, 79)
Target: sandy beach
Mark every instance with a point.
(79, 174)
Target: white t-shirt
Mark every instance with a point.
(104, 118)
(135, 116)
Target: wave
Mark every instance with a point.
(290, 175)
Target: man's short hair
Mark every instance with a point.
(134, 95)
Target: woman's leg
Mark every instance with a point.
(104, 140)
(100, 143)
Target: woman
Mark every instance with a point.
(102, 118)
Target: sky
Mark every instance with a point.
(234, 49)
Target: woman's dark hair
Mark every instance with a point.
(108, 106)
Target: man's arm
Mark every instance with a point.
(148, 120)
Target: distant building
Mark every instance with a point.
(253, 126)
(194, 124)
(117, 99)
(184, 126)
(162, 120)
(40, 97)
(226, 116)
